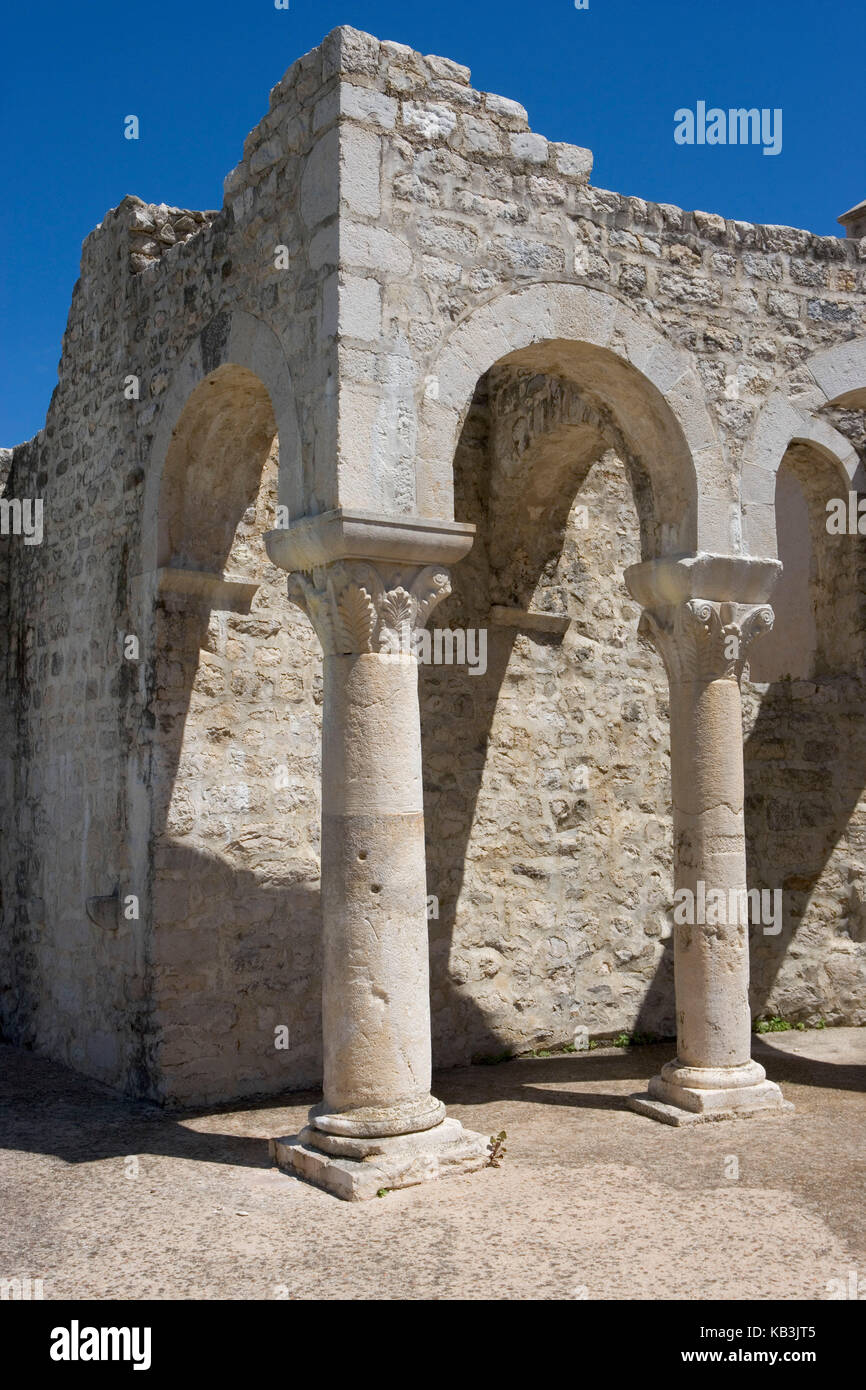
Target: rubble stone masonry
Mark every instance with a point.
(412, 305)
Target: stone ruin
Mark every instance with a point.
(420, 364)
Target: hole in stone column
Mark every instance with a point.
(362, 854)
(375, 888)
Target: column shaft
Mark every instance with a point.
(711, 962)
(704, 644)
(375, 991)
(368, 585)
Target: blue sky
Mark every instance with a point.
(198, 73)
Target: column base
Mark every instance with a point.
(359, 1168)
(381, 1121)
(712, 1093)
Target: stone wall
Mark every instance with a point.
(548, 780)
(81, 780)
(806, 760)
(472, 206)
(356, 295)
(549, 831)
(237, 801)
(76, 989)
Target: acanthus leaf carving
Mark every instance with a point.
(432, 585)
(398, 610)
(357, 619)
(704, 640)
(355, 607)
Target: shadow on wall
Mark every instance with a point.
(235, 772)
(805, 760)
(547, 795)
(546, 779)
(237, 958)
(532, 950)
(540, 928)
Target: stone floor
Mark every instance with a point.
(591, 1201)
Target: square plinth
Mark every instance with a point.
(404, 1161)
(676, 1105)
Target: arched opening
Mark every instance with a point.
(547, 795)
(214, 469)
(805, 751)
(235, 680)
(816, 602)
(648, 388)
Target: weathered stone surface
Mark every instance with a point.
(334, 336)
(391, 1164)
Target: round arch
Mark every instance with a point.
(781, 425)
(650, 386)
(839, 374)
(232, 340)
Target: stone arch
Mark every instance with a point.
(212, 469)
(799, 809)
(234, 351)
(650, 386)
(816, 600)
(839, 374)
(567, 695)
(231, 732)
(782, 425)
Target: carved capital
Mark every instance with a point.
(700, 640)
(359, 607)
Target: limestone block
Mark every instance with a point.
(839, 371)
(363, 104)
(784, 304)
(532, 149)
(509, 112)
(448, 70)
(710, 224)
(763, 267)
(348, 50)
(360, 308)
(266, 155)
(449, 1150)
(360, 171)
(431, 121)
(573, 162)
(456, 240)
(759, 485)
(320, 190)
(374, 248)
(481, 136)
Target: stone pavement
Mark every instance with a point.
(591, 1201)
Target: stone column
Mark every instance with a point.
(368, 586)
(702, 614)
